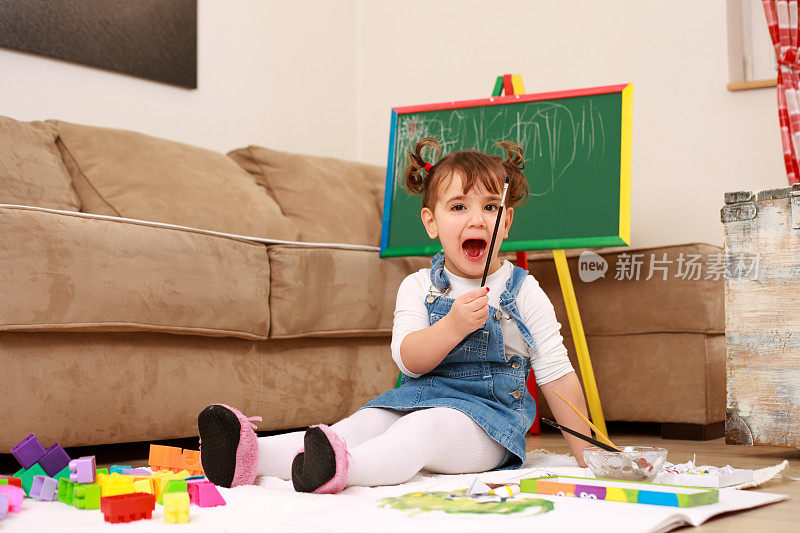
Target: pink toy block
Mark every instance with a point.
(82, 470)
(44, 488)
(205, 494)
(14, 495)
(28, 451)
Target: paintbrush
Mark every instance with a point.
(494, 233)
(590, 440)
(600, 435)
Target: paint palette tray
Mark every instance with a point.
(737, 477)
(621, 491)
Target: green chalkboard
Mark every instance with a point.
(577, 162)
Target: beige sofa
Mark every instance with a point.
(142, 279)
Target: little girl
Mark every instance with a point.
(465, 352)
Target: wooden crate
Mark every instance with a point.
(762, 317)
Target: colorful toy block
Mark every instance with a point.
(28, 451)
(64, 472)
(54, 460)
(205, 494)
(82, 470)
(127, 507)
(65, 490)
(135, 472)
(176, 507)
(86, 496)
(174, 459)
(118, 469)
(165, 458)
(26, 476)
(10, 480)
(144, 485)
(3, 506)
(44, 488)
(114, 484)
(14, 496)
(191, 462)
(175, 485)
(160, 480)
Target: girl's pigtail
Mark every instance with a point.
(415, 171)
(513, 165)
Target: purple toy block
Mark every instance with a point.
(55, 460)
(28, 451)
(14, 495)
(82, 470)
(135, 472)
(204, 494)
(44, 488)
(3, 506)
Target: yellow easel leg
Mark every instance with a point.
(582, 351)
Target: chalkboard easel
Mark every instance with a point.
(513, 85)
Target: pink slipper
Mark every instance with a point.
(228, 446)
(322, 464)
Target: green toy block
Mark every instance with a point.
(101, 470)
(65, 490)
(86, 496)
(173, 485)
(63, 473)
(176, 485)
(26, 475)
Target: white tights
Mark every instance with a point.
(390, 447)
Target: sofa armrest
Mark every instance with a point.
(65, 271)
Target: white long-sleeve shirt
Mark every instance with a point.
(549, 361)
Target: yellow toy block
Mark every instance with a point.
(160, 480)
(176, 507)
(183, 474)
(144, 485)
(114, 484)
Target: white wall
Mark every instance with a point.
(321, 76)
(280, 74)
(692, 139)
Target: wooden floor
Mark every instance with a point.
(777, 517)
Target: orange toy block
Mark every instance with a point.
(174, 459)
(165, 458)
(191, 462)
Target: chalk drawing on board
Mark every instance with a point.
(545, 130)
(577, 149)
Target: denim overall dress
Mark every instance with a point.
(476, 377)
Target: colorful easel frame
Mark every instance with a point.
(621, 491)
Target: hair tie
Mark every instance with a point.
(428, 167)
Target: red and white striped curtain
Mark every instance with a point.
(783, 28)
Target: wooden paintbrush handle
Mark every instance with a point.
(600, 435)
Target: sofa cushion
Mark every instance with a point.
(325, 291)
(330, 200)
(78, 272)
(129, 174)
(31, 171)
(668, 302)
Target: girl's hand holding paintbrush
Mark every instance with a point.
(468, 312)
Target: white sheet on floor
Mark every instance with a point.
(274, 506)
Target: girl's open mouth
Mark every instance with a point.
(474, 249)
